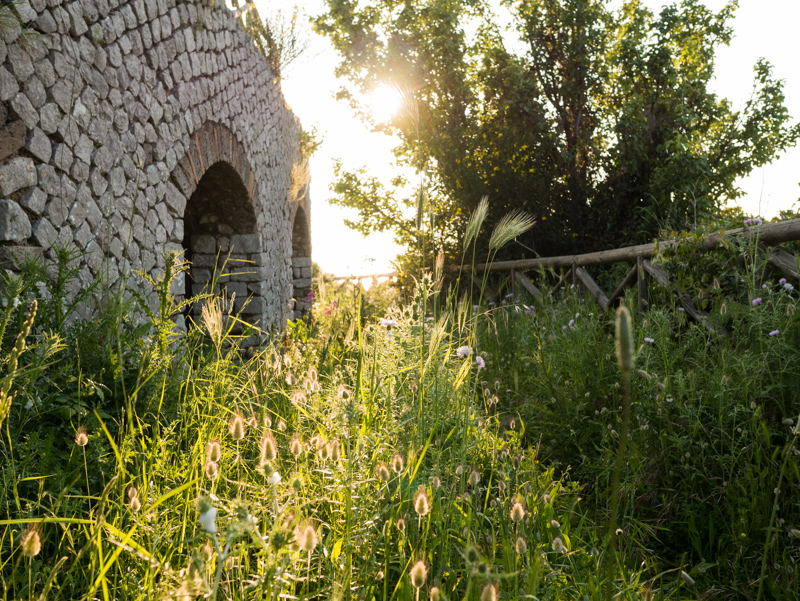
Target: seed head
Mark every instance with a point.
(306, 537)
(296, 446)
(435, 482)
(624, 339)
(472, 554)
(546, 498)
(291, 379)
(81, 437)
(474, 478)
(268, 448)
(281, 425)
(521, 546)
(312, 374)
(31, 543)
(334, 450)
(555, 524)
(687, 579)
(418, 575)
(133, 492)
(397, 463)
(236, 427)
(401, 525)
(299, 398)
(489, 592)
(558, 545)
(135, 504)
(212, 470)
(459, 470)
(382, 472)
(324, 452)
(517, 512)
(422, 503)
(267, 420)
(435, 594)
(213, 451)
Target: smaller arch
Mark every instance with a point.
(301, 264)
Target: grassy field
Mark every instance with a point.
(434, 448)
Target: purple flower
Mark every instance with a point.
(463, 351)
(564, 328)
(475, 307)
(571, 322)
(753, 221)
(504, 302)
(429, 319)
(782, 281)
(763, 286)
(774, 332)
(509, 295)
(648, 339)
(527, 312)
(388, 323)
(680, 308)
(756, 302)
(788, 287)
(481, 363)
(491, 304)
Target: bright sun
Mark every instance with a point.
(384, 103)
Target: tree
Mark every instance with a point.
(603, 128)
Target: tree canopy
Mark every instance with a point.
(597, 122)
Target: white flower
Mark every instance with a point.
(388, 323)
(208, 520)
(463, 351)
(274, 478)
(28, 405)
(481, 363)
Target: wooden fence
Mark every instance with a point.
(766, 234)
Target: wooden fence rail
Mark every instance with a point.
(767, 234)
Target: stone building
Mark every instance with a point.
(131, 129)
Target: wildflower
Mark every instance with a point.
(397, 463)
(480, 362)
(648, 339)
(474, 478)
(382, 472)
(763, 286)
(558, 545)
(774, 332)
(237, 427)
(521, 546)
(546, 498)
(422, 504)
(296, 446)
(489, 592)
(269, 449)
(213, 451)
(564, 328)
(756, 302)
(31, 542)
(517, 512)
(208, 515)
(274, 479)
(387, 323)
(501, 485)
(296, 482)
(306, 537)
(418, 575)
(463, 351)
(571, 322)
(788, 287)
(211, 470)
(492, 303)
(81, 437)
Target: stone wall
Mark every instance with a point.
(133, 128)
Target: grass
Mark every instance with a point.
(355, 460)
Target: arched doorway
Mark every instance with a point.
(220, 231)
(301, 264)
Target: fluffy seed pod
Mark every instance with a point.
(236, 426)
(296, 446)
(382, 472)
(489, 592)
(268, 448)
(521, 546)
(517, 512)
(211, 470)
(418, 575)
(306, 537)
(81, 437)
(214, 451)
(397, 463)
(31, 542)
(422, 504)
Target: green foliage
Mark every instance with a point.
(602, 129)
(278, 37)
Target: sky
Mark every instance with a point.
(762, 28)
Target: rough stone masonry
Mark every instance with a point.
(131, 129)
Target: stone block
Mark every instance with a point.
(34, 200)
(12, 138)
(17, 174)
(13, 257)
(247, 243)
(14, 223)
(43, 233)
(39, 145)
(204, 244)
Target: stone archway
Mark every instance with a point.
(301, 263)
